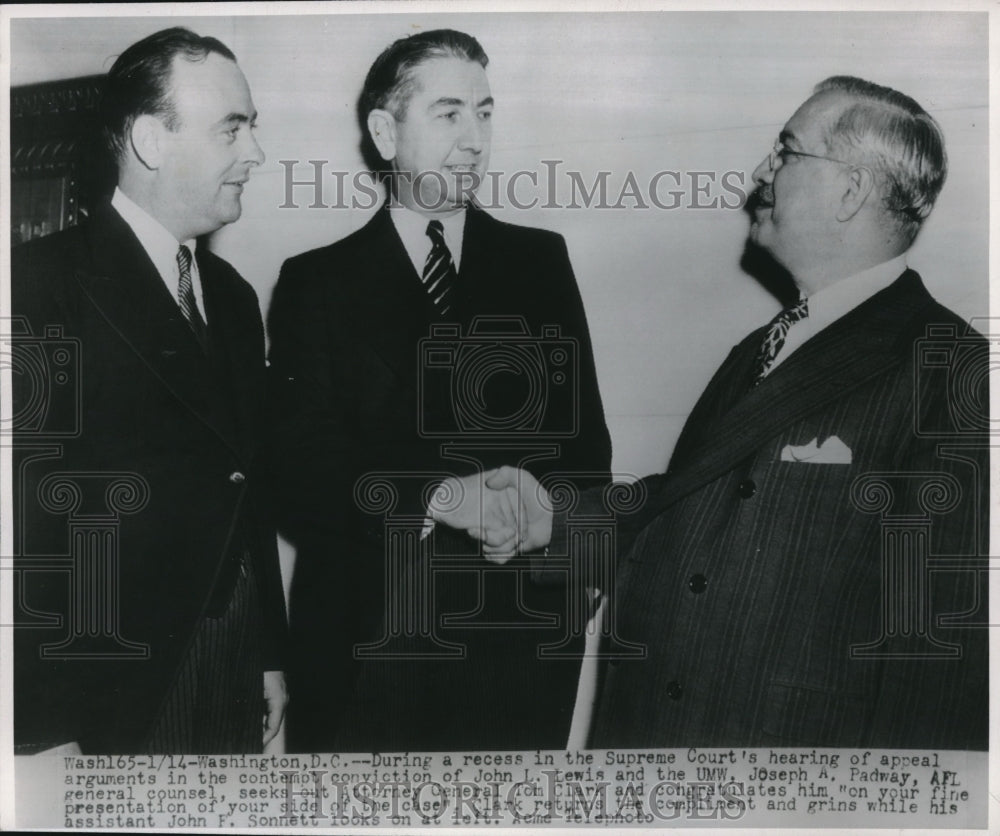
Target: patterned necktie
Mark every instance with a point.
(439, 270)
(186, 300)
(774, 339)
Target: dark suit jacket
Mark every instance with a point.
(145, 401)
(755, 582)
(355, 394)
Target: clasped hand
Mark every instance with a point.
(505, 508)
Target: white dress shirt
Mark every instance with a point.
(837, 299)
(160, 246)
(412, 229)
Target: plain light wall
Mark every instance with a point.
(643, 93)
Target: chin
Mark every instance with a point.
(230, 214)
(759, 233)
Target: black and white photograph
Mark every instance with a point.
(440, 415)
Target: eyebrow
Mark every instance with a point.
(446, 101)
(785, 136)
(239, 118)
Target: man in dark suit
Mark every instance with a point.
(436, 340)
(809, 569)
(151, 612)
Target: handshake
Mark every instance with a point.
(505, 508)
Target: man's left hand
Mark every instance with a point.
(275, 700)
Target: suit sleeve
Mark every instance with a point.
(309, 445)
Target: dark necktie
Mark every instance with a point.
(439, 270)
(774, 339)
(186, 300)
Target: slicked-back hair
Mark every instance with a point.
(139, 82)
(391, 80)
(899, 140)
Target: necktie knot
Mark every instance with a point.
(793, 313)
(184, 262)
(775, 336)
(435, 230)
(439, 275)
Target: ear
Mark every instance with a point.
(147, 140)
(860, 185)
(382, 128)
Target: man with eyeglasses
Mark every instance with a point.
(805, 573)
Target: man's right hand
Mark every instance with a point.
(533, 509)
(467, 504)
(507, 509)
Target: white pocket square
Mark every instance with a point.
(831, 451)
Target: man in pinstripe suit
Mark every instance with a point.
(169, 387)
(808, 570)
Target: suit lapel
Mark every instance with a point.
(478, 256)
(847, 354)
(129, 294)
(726, 387)
(393, 297)
(237, 385)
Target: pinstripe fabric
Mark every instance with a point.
(150, 404)
(215, 704)
(752, 577)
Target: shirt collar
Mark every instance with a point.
(158, 243)
(412, 229)
(836, 299)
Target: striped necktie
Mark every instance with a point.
(775, 337)
(440, 275)
(186, 300)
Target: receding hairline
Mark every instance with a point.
(180, 58)
(411, 82)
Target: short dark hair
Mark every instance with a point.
(899, 139)
(390, 81)
(139, 82)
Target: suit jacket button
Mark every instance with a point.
(237, 478)
(747, 488)
(697, 584)
(674, 690)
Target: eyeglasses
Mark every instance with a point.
(781, 152)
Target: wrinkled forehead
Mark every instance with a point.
(450, 77)
(812, 121)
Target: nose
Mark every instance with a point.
(764, 172)
(476, 135)
(254, 153)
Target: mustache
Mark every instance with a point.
(760, 198)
